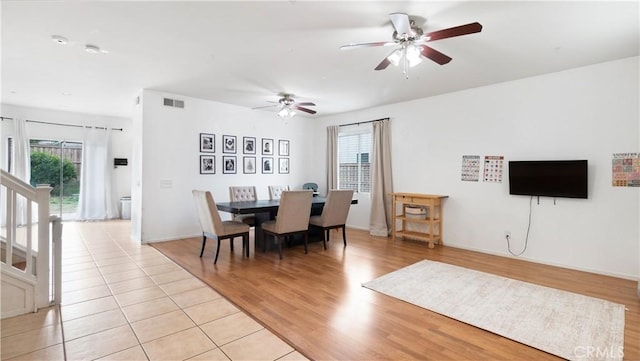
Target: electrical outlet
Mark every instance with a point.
(507, 234)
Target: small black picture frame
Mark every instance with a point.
(207, 143)
(249, 165)
(229, 144)
(207, 164)
(267, 146)
(283, 147)
(267, 165)
(249, 145)
(283, 165)
(229, 164)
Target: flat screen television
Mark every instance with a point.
(550, 178)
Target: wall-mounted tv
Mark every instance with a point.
(550, 178)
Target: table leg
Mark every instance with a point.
(258, 235)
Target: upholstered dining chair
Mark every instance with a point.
(334, 214)
(293, 218)
(276, 191)
(214, 227)
(312, 186)
(243, 193)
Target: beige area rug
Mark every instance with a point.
(565, 324)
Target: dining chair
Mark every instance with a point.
(243, 193)
(312, 186)
(276, 191)
(334, 214)
(292, 218)
(214, 227)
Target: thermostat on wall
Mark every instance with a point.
(120, 161)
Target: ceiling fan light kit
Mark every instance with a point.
(412, 41)
(289, 106)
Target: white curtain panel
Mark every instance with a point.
(96, 200)
(381, 181)
(22, 167)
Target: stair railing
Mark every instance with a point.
(47, 285)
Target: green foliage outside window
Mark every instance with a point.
(45, 169)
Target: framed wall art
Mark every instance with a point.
(207, 164)
(249, 165)
(229, 164)
(267, 146)
(283, 147)
(283, 165)
(267, 165)
(207, 143)
(228, 144)
(249, 145)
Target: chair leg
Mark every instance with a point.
(231, 242)
(279, 246)
(217, 251)
(245, 239)
(306, 236)
(344, 235)
(324, 239)
(204, 241)
(328, 232)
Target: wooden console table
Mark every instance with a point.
(431, 221)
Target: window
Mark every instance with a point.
(354, 168)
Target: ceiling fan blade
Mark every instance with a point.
(266, 106)
(365, 45)
(306, 104)
(454, 31)
(304, 109)
(401, 23)
(383, 64)
(434, 55)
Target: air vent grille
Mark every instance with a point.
(173, 103)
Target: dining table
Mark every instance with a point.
(265, 210)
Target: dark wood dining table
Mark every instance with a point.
(265, 210)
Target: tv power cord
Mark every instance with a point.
(526, 239)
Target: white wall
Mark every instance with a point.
(169, 141)
(120, 141)
(585, 113)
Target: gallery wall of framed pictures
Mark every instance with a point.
(269, 149)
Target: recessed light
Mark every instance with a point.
(59, 39)
(92, 49)
(66, 94)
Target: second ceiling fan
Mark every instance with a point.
(413, 41)
(288, 106)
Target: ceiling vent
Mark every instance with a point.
(173, 103)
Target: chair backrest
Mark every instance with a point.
(336, 208)
(294, 211)
(312, 186)
(245, 193)
(210, 220)
(276, 191)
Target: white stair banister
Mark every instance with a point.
(43, 261)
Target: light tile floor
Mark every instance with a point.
(125, 301)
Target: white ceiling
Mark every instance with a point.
(245, 53)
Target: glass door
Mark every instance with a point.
(58, 163)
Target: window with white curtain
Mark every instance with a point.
(354, 153)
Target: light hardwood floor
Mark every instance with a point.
(126, 301)
(316, 303)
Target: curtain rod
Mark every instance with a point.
(358, 123)
(62, 124)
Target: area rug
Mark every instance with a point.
(565, 324)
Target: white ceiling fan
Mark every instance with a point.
(288, 106)
(412, 41)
